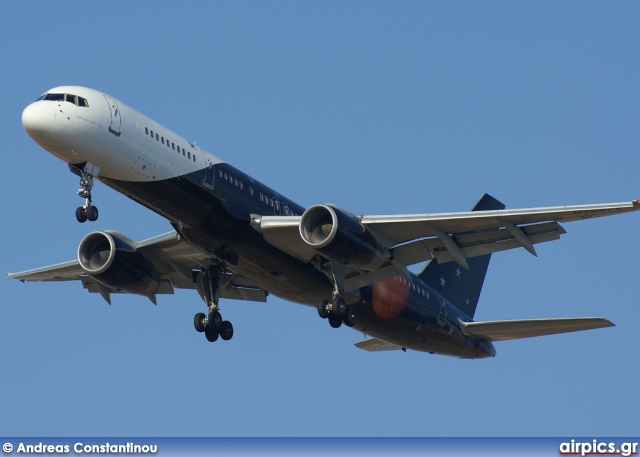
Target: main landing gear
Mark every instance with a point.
(337, 312)
(87, 211)
(211, 324)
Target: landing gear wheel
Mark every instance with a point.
(323, 308)
(198, 322)
(226, 331)
(338, 307)
(215, 320)
(81, 215)
(335, 321)
(92, 213)
(351, 317)
(211, 334)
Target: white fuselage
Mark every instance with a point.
(112, 136)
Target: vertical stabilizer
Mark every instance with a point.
(462, 287)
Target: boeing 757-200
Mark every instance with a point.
(235, 238)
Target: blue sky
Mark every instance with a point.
(380, 107)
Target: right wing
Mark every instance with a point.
(446, 237)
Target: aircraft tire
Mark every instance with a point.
(323, 312)
(338, 307)
(351, 317)
(335, 321)
(81, 216)
(92, 213)
(211, 334)
(215, 320)
(226, 331)
(198, 322)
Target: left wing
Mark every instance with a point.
(174, 259)
(414, 238)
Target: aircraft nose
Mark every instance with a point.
(38, 117)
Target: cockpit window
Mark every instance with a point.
(54, 97)
(76, 100)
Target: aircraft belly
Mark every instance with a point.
(418, 337)
(205, 222)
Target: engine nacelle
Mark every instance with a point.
(111, 259)
(339, 236)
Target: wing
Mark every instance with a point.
(415, 238)
(174, 259)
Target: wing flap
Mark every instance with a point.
(527, 328)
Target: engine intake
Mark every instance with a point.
(339, 236)
(111, 259)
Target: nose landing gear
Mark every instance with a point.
(87, 211)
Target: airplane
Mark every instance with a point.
(236, 238)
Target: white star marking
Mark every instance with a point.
(442, 281)
(458, 272)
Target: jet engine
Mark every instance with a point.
(339, 236)
(111, 259)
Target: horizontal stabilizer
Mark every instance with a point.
(376, 345)
(527, 328)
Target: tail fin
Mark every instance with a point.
(462, 287)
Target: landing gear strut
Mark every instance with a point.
(87, 211)
(336, 310)
(212, 325)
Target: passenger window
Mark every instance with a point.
(194, 157)
(271, 202)
(183, 153)
(261, 197)
(157, 137)
(146, 130)
(235, 182)
(225, 176)
(241, 186)
(220, 173)
(188, 154)
(162, 140)
(250, 190)
(173, 146)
